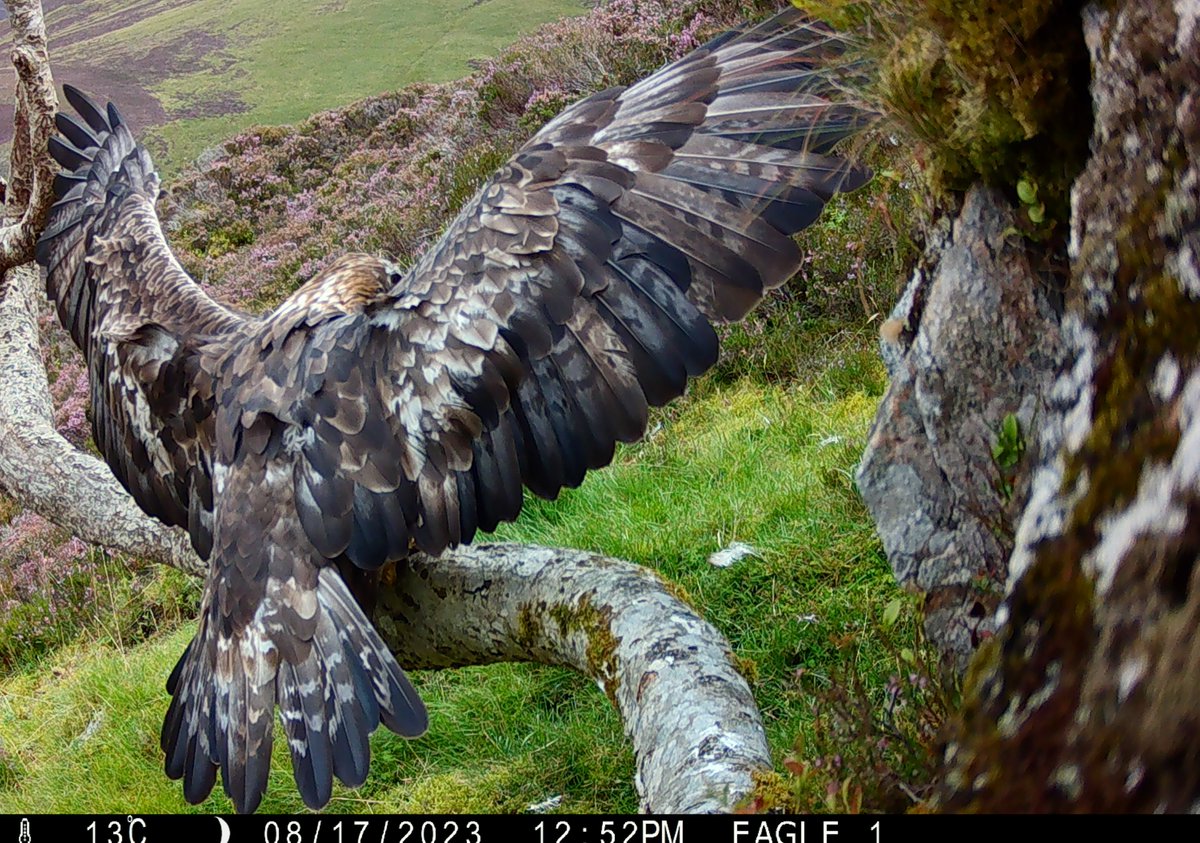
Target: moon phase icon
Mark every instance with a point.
(224, 830)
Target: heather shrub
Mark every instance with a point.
(54, 588)
(271, 208)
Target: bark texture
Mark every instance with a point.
(696, 732)
(37, 466)
(29, 193)
(974, 338)
(1087, 698)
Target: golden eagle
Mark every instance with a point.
(377, 412)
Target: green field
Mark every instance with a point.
(762, 450)
(767, 465)
(197, 71)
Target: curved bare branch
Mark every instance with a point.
(696, 731)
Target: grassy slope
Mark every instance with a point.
(251, 65)
(762, 452)
(768, 465)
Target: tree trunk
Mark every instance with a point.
(697, 734)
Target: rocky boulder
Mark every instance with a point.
(973, 341)
(1088, 696)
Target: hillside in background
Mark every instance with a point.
(761, 451)
(196, 71)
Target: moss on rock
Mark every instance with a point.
(988, 90)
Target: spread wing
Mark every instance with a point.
(143, 325)
(577, 289)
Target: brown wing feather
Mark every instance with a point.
(372, 413)
(143, 325)
(576, 289)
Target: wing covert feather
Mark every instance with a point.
(576, 289)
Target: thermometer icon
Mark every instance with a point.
(24, 836)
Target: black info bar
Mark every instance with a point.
(575, 828)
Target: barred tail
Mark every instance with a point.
(333, 688)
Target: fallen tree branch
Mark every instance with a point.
(696, 731)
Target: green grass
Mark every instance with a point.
(744, 461)
(767, 465)
(503, 739)
(280, 68)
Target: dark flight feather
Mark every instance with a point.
(375, 411)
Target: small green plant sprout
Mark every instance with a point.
(1008, 452)
(1040, 225)
(1027, 192)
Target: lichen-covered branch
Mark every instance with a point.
(696, 730)
(43, 470)
(30, 191)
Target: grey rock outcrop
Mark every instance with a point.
(1088, 697)
(974, 338)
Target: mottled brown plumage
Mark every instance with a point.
(376, 411)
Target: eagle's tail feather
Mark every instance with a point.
(360, 685)
(333, 690)
(222, 713)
